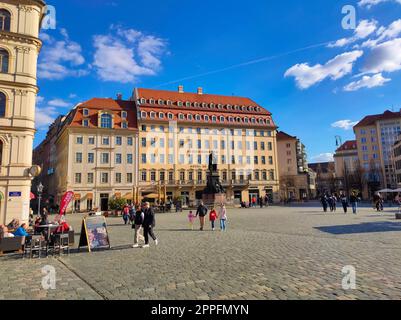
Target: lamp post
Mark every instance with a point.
(40, 190)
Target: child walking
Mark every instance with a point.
(223, 217)
(212, 217)
(191, 219)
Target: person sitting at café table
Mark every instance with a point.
(4, 232)
(14, 224)
(22, 231)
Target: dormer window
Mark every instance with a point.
(85, 123)
(250, 108)
(253, 120)
(214, 118)
(211, 106)
(124, 114)
(161, 115)
(143, 114)
(188, 104)
(243, 108)
(189, 117)
(152, 101)
(246, 120)
(124, 125)
(238, 119)
(179, 103)
(152, 115)
(222, 119)
(204, 105)
(206, 118)
(106, 121)
(261, 121)
(257, 109)
(170, 116)
(197, 117)
(181, 116)
(228, 107)
(161, 102)
(230, 119)
(143, 100)
(85, 112)
(168, 102)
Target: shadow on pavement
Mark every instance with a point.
(367, 227)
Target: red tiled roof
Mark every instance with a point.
(281, 135)
(371, 119)
(97, 104)
(175, 109)
(348, 145)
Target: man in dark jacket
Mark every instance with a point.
(201, 212)
(149, 223)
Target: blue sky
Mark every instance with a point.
(314, 76)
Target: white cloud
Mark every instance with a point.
(385, 57)
(39, 100)
(323, 157)
(44, 116)
(60, 58)
(127, 54)
(363, 30)
(371, 3)
(344, 124)
(391, 32)
(307, 76)
(376, 80)
(59, 103)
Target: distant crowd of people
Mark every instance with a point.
(329, 201)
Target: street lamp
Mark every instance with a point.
(40, 190)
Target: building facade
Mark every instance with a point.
(324, 175)
(19, 49)
(178, 131)
(293, 168)
(347, 167)
(96, 155)
(375, 136)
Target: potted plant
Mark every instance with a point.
(117, 204)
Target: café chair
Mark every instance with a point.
(34, 244)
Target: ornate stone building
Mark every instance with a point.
(19, 48)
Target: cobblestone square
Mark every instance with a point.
(270, 253)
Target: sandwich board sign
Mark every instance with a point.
(94, 233)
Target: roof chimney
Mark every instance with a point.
(200, 91)
(181, 88)
(119, 96)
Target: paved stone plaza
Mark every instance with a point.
(270, 253)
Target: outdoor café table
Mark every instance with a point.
(49, 228)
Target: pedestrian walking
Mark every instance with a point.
(223, 217)
(191, 219)
(344, 202)
(334, 203)
(201, 212)
(353, 199)
(138, 219)
(149, 222)
(212, 217)
(126, 214)
(324, 202)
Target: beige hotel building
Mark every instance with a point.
(157, 147)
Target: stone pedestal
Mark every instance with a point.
(214, 199)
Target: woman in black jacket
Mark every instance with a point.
(149, 223)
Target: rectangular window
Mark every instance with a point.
(119, 141)
(170, 143)
(182, 175)
(129, 177)
(143, 158)
(105, 141)
(161, 142)
(78, 157)
(263, 160)
(170, 159)
(91, 140)
(255, 160)
(181, 159)
(271, 175)
(144, 175)
(77, 178)
(162, 176)
(118, 158)
(199, 159)
(105, 177)
(207, 144)
(90, 177)
(215, 144)
(199, 144)
(153, 176)
(255, 145)
(269, 146)
(223, 144)
(80, 140)
(143, 142)
(130, 141)
(153, 158)
(190, 176)
(270, 160)
(223, 159)
(262, 146)
(248, 160)
(153, 142)
(182, 143)
(190, 159)
(91, 157)
(232, 159)
(200, 176)
(171, 176)
(129, 158)
(105, 158)
(248, 145)
(118, 177)
(162, 159)
(85, 123)
(239, 145)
